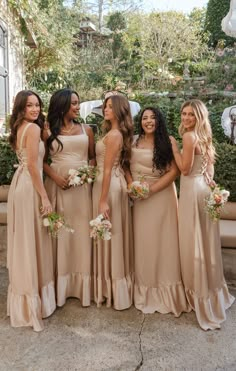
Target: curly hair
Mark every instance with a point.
(18, 114)
(121, 109)
(162, 151)
(59, 105)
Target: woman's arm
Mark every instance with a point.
(185, 159)
(113, 144)
(128, 175)
(32, 149)
(91, 148)
(58, 179)
(165, 180)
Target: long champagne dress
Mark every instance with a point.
(72, 251)
(31, 293)
(200, 251)
(113, 259)
(158, 285)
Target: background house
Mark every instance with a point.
(12, 44)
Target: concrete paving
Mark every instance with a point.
(103, 339)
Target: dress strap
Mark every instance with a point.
(135, 138)
(23, 134)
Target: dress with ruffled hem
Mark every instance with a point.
(158, 283)
(113, 259)
(162, 299)
(75, 285)
(72, 251)
(28, 310)
(31, 292)
(200, 251)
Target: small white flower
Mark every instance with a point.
(46, 222)
(73, 172)
(76, 180)
(90, 180)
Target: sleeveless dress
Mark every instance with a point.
(31, 294)
(113, 259)
(72, 251)
(158, 285)
(200, 251)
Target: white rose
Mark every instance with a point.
(46, 222)
(89, 180)
(77, 180)
(73, 172)
(225, 194)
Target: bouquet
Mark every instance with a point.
(85, 174)
(55, 222)
(216, 200)
(139, 189)
(100, 228)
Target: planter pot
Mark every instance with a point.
(4, 192)
(229, 211)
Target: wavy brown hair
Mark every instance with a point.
(18, 113)
(121, 109)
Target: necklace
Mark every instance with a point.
(68, 130)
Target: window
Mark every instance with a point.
(3, 74)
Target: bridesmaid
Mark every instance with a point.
(200, 247)
(31, 294)
(70, 145)
(158, 285)
(113, 260)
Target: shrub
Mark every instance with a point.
(7, 161)
(225, 168)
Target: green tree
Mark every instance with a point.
(164, 48)
(216, 11)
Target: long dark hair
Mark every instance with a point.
(162, 151)
(58, 107)
(18, 113)
(121, 109)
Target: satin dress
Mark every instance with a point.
(158, 283)
(113, 259)
(72, 251)
(31, 292)
(200, 251)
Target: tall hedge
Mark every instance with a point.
(216, 11)
(225, 168)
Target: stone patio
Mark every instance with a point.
(91, 339)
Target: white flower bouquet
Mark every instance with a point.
(100, 228)
(139, 189)
(82, 175)
(216, 200)
(55, 223)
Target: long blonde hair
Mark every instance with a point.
(121, 109)
(202, 128)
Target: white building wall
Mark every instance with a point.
(15, 80)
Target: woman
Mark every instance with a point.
(158, 285)
(31, 295)
(200, 246)
(113, 260)
(70, 145)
